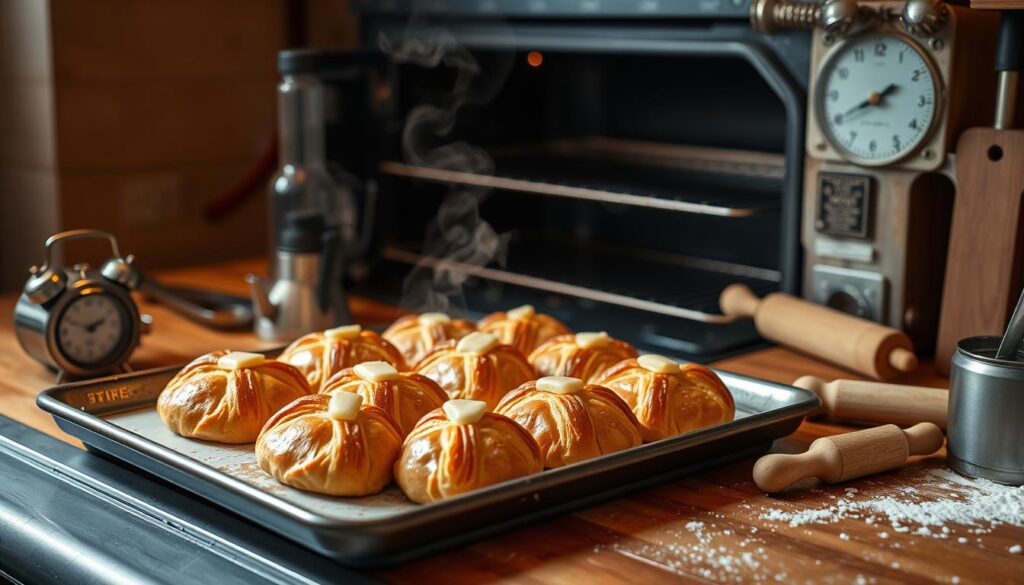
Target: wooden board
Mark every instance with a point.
(707, 528)
(998, 4)
(983, 268)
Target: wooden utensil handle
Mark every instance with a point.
(848, 456)
(879, 402)
(861, 345)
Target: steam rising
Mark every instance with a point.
(457, 233)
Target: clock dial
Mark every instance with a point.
(876, 98)
(91, 329)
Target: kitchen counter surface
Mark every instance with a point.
(916, 525)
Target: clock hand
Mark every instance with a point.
(77, 324)
(874, 98)
(92, 326)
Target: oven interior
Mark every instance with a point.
(618, 191)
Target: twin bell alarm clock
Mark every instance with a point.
(80, 322)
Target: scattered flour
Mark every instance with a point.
(982, 505)
(1015, 549)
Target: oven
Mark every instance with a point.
(614, 164)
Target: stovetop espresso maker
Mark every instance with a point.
(306, 292)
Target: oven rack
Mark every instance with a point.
(662, 283)
(699, 180)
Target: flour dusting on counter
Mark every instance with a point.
(942, 498)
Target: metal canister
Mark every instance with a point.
(986, 413)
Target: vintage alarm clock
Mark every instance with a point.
(80, 322)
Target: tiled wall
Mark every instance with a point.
(132, 115)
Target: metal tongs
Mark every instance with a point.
(206, 307)
(1009, 347)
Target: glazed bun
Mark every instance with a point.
(477, 367)
(571, 421)
(321, 355)
(460, 448)
(522, 327)
(227, 396)
(417, 335)
(668, 398)
(583, 355)
(403, 396)
(330, 444)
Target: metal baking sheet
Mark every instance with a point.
(117, 416)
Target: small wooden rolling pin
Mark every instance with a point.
(848, 456)
(879, 402)
(861, 345)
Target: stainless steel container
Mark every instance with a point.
(986, 413)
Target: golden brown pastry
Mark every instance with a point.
(669, 399)
(477, 367)
(417, 335)
(227, 396)
(522, 327)
(330, 444)
(570, 421)
(460, 448)
(321, 355)
(405, 396)
(583, 356)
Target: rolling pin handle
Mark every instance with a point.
(923, 438)
(776, 472)
(738, 300)
(903, 360)
(812, 383)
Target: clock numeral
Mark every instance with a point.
(838, 119)
(916, 75)
(913, 124)
(833, 95)
(901, 56)
(843, 73)
(921, 101)
(896, 141)
(858, 55)
(880, 49)
(853, 136)
(872, 146)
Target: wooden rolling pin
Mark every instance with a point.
(878, 402)
(861, 345)
(848, 456)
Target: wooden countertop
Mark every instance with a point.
(712, 527)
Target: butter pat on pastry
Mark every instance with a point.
(375, 371)
(477, 342)
(237, 360)
(570, 421)
(344, 406)
(441, 458)
(465, 412)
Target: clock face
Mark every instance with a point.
(876, 98)
(91, 329)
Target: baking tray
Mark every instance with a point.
(116, 416)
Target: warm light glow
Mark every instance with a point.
(534, 58)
